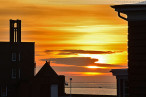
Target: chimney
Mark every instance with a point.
(136, 17)
(15, 31)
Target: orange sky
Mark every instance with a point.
(73, 37)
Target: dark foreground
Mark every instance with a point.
(83, 95)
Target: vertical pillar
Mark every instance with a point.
(18, 30)
(11, 31)
(136, 17)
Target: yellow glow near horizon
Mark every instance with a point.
(94, 67)
(85, 73)
(101, 58)
(115, 58)
(92, 73)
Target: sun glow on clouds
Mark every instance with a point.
(115, 58)
(85, 73)
(101, 58)
(80, 27)
(96, 34)
(92, 73)
(94, 67)
(95, 28)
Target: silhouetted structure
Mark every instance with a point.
(122, 82)
(15, 30)
(17, 69)
(47, 83)
(136, 17)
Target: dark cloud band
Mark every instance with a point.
(72, 52)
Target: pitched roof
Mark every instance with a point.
(47, 73)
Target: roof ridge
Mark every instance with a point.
(46, 70)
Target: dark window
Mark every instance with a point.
(3, 90)
(13, 73)
(126, 83)
(13, 56)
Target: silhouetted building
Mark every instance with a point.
(47, 83)
(16, 61)
(122, 82)
(136, 17)
(17, 66)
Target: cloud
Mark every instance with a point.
(78, 61)
(80, 69)
(75, 66)
(74, 52)
(77, 2)
(81, 62)
(109, 65)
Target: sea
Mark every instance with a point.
(98, 88)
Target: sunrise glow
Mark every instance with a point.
(92, 73)
(94, 67)
(79, 40)
(101, 58)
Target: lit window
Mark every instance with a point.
(4, 90)
(13, 73)
(15, 25)
(13, 56)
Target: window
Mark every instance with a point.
(19, 73)
(13, 56)
(3, 90)
(13, 73)
(15, 25)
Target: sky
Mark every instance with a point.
(82, 40)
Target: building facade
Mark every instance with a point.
(136, 18)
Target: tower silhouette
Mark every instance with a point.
(17, 67)
(16, 61)
(15, 30)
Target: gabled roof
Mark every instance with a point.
(47, 73)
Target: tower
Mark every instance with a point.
(17, 70)
(16, 61)
(15, 47)
(15, 30)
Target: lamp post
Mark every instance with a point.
(70, 86)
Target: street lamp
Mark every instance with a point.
(70, 86)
